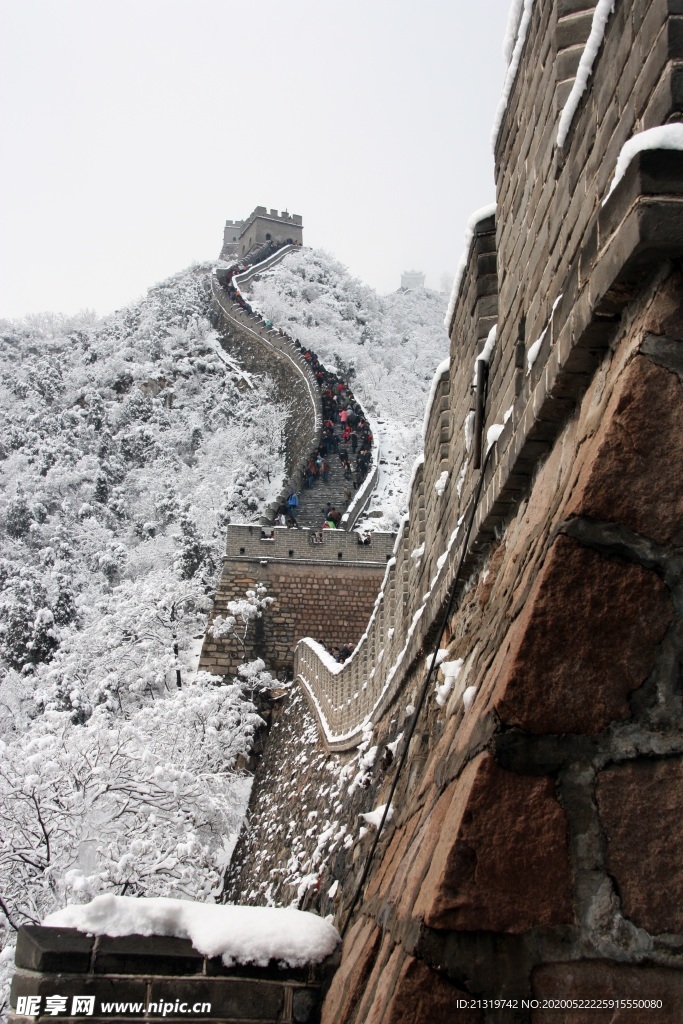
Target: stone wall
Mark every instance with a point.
(556, 271)
(166, 976)
(264, 352)
(261, 225)
(530, 857)
(323, 582)
(530, 854)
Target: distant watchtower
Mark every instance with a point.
(231, 234)
(412, 279)
(261, 226)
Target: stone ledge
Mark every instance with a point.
(161, 969)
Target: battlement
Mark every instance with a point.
(261, 211)
(261, 226)
(316, 546)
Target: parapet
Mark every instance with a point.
(287, 544)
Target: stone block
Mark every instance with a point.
(103, 988)
(52, 949)
(595, 979)
(421, 994)
(584, 640)
(573, 30)
(641, 809)
(305, 1004)
(381, 983)
(230, 998)
(358, 957)
(153, 954)
(632, 472)
(501, 862)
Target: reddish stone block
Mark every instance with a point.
(641, 809)
(410, 875)
(381, 981)
(358, 956)
(501, 862)
(393, 859)
(594, 979)
(631, 472)
(421, 994)
(586, 638)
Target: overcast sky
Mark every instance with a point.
(131, 129)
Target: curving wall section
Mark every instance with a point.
(554, 268)
(265, 350)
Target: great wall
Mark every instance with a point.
(530, 861)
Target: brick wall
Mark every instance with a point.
(326, 590)
(159, 971)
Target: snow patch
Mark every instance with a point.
(477, 216)
(374, 818)
(468, 697)
(603, 9)
(493, 433)
(239, 935)
(520, 15)
(469, 430)
(442, 368)
(666, 136)
(440, 485)
(450, 671)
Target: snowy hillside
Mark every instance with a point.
(386, 347)
(128, 445)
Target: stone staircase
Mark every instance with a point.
(338, 491)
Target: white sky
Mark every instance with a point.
(131, 129)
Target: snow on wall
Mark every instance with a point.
(666, 136)
(436, 380)
(522, 19)
(603, 10)
(239, 935)
(477, 216)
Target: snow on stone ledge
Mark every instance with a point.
(478, 215)
(240, 935)
(518, 26)
(442, 368)
(493, 433)
(601, 15)
(374, 818)
(666, 136)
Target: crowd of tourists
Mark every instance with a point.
(346, 434)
